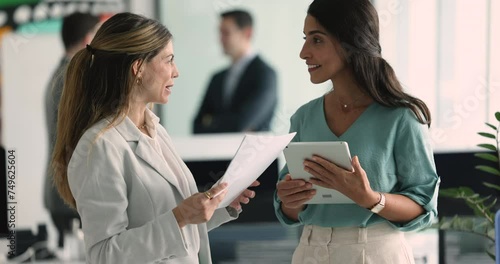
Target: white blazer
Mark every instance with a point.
(125, 193)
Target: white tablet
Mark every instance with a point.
(334, 151)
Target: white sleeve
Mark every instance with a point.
(221, 216)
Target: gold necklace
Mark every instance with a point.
(344, 106)
(143, 126)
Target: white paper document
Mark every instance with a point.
(253, 157)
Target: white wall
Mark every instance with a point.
(278, 37)
(142, 7)
(27, 64)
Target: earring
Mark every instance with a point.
(139, 80)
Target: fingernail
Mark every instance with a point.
(315, 159)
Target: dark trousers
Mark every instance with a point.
(63, 222)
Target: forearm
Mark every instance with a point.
(399, 208)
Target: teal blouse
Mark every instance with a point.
(394, 150)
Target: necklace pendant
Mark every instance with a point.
(344, 109)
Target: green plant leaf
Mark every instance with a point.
(488, 146)
(472, 199)
(476, 225)
(488, 135)
(491, 185)
(483, 222)
(492, 126)
(491, 255)
(477, 208)
(488, 169)
(487, 156)
(456, 192)
(481, 200)
(493, 203)
(491, 233)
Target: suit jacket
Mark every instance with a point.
(52, 200)
(125, 193)
(252, 105)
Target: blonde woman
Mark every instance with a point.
(117, 165)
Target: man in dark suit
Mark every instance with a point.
(78, 29)
(242, 97)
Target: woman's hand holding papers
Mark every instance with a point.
(244, 197)
(199, 207)
(293, 194)
(353, 184)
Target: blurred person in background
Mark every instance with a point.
(243, 96)
(78, 29)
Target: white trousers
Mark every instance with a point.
(376, 244)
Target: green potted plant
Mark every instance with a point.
(483, 221)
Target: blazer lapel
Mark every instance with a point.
(144, 151)
(154, 159)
